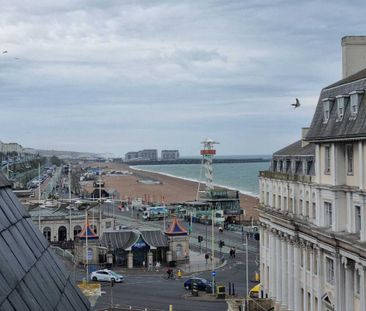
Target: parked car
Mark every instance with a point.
(106, 275)
(201, 283)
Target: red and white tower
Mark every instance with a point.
(207, 153)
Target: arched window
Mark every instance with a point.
(62, 233)
(47, 233)
(179, 250)
(77, 230)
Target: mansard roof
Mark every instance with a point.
(31, 275)
(347, 128)
(296, 149)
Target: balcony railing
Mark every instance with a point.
(287, 177)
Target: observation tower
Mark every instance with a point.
(207, 153)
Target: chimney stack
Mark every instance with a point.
(353, 54)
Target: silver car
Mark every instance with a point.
(106, 275)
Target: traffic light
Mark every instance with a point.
(200, 238)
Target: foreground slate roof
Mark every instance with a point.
(348, 127)
(296, 149)
(31, 275)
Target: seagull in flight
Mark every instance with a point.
(297, 104)
(4, 52)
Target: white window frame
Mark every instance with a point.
(340, 107)
(329, 270)
(327, 159)
(326, 111)
(354, 105)
(357, 218)
(349, 159)
(328, 210)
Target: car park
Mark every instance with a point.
(106, 275)
(201, 283)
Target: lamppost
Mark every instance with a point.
(246, 261)
(69, 200)
(213, 250)
(86, 242)
(39, 216)
(110, 203)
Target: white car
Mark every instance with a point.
(106, 275)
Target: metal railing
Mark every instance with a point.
(63, 253)
(287, 177)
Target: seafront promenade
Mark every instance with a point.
(169, 189)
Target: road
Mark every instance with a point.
(151, 290)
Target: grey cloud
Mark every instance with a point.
(158, 72)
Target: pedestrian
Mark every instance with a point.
(231, 252)
(157, 266)
(143, 263)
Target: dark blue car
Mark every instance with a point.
(201, 283)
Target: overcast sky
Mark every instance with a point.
(116, 76)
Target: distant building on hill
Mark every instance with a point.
(10, 147)
(146, 154)
(169, 154)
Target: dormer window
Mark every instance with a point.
(341, 103)
(355, 103)
(327, 106)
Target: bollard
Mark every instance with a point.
(233, 289)
(256, 276)
(229, 288)
(170, 307)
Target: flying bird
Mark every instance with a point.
(4, 52)
(297, 104)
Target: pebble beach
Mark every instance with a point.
(158, 187)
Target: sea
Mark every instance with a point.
(237, 176)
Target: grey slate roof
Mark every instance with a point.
(155, 238)
(295, 149)
(126, 239)
(346, 128)
(31, 276)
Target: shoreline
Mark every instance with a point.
(170, 189)
(248, 193)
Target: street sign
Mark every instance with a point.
(213, 273)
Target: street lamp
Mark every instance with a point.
(86, 242)
(246, 261)
(110, 203)
(213, 250)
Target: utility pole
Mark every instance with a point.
(69, 200)
(86, 245)
(246, 262)
(100, 204)
(39, 182)
(213, 251)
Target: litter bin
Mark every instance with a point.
(220, 292)
(194, 289)
(209, 288)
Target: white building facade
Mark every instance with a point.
(313, 207)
